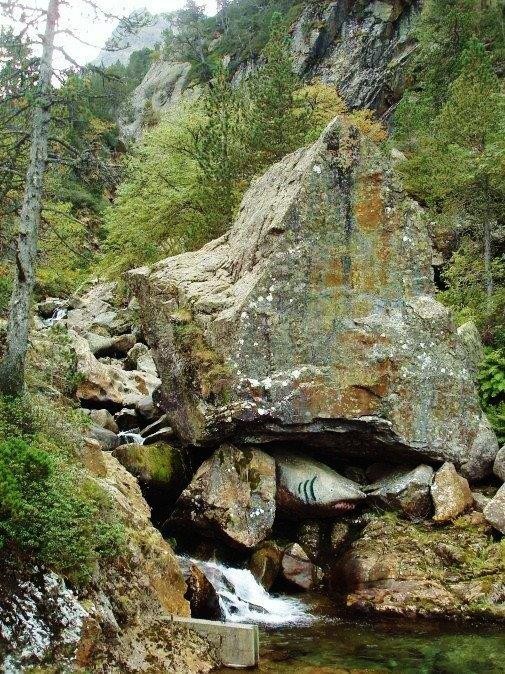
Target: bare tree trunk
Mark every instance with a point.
(12, 368)
(488, 274)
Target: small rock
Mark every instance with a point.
(155, 426)
(339, 536)
(494, 512)
(265, 563)
(405, 490)
(107, 439)
(110, 346)
(147, 409)
(202, 596)
(451, 494)
(310, 535)
(104, 419)
(126, 419)
(480, 501)
(499, 464)
(297, 568)
(139, 358)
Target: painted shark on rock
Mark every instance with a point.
(307, 487)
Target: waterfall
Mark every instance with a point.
(131, 438)
(243, 600)
(58, 315)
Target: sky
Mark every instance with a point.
(95, 29)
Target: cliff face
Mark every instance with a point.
(313, 321)
(359, 47)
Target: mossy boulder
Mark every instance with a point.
(402, 568)
(161, 464)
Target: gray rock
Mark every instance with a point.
(499, 464)
(308, 488)
(164, 434)
(107, 439)
(118, 345)
(450, 493)
(231, 496)
(480, 501)
(147, 409)
(298, 570)
(470, 336)
(317, 315)
(405, 490)
(104, 419)
(310, 537)
(494, 512)
(155, 426)
(139, 358)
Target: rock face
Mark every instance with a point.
(313, 320)
(451, 494)
(202, 596)
(499, 464)
(400, 568)
(232, 495)
(307, 487)
(361, 48)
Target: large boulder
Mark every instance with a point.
(401, 568)
(313, 320)
(451, 494)
(306, 487)
(499, 464)
(231, 496)
(405, 490)
(494, 511)
(298, 570)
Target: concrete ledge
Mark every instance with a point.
(238, 644)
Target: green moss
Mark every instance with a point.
(161, 462)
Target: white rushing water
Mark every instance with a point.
(130, 438)
(58, 315)
(243, 600)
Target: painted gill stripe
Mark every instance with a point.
(312, 487)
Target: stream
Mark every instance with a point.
(304, 634)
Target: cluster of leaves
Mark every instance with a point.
(451, 125)
(185, 180)
(48, 506)
(492, 389)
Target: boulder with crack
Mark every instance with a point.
(232, 495)
(313, 320)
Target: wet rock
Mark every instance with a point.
(405, 490)
(108, 384)
(401, 568)
(231, 324)
(164, 434)
(450, 493)
(298, 570)
(202, 596)
(231, 496)
(494, 512)
(50, 306)
(104, 419)
(107, 439)
(309, 488)
(499, 464)
(265, 563)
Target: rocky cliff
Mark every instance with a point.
(312, 323)
(359, 47)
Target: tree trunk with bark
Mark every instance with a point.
(12, 368)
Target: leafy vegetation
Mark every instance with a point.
(49, 507)
(451, 125)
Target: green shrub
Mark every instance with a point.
(49, 506)
(492, 389)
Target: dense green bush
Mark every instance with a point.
(492, 389)
(49, 507)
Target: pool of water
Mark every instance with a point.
(334, 645)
